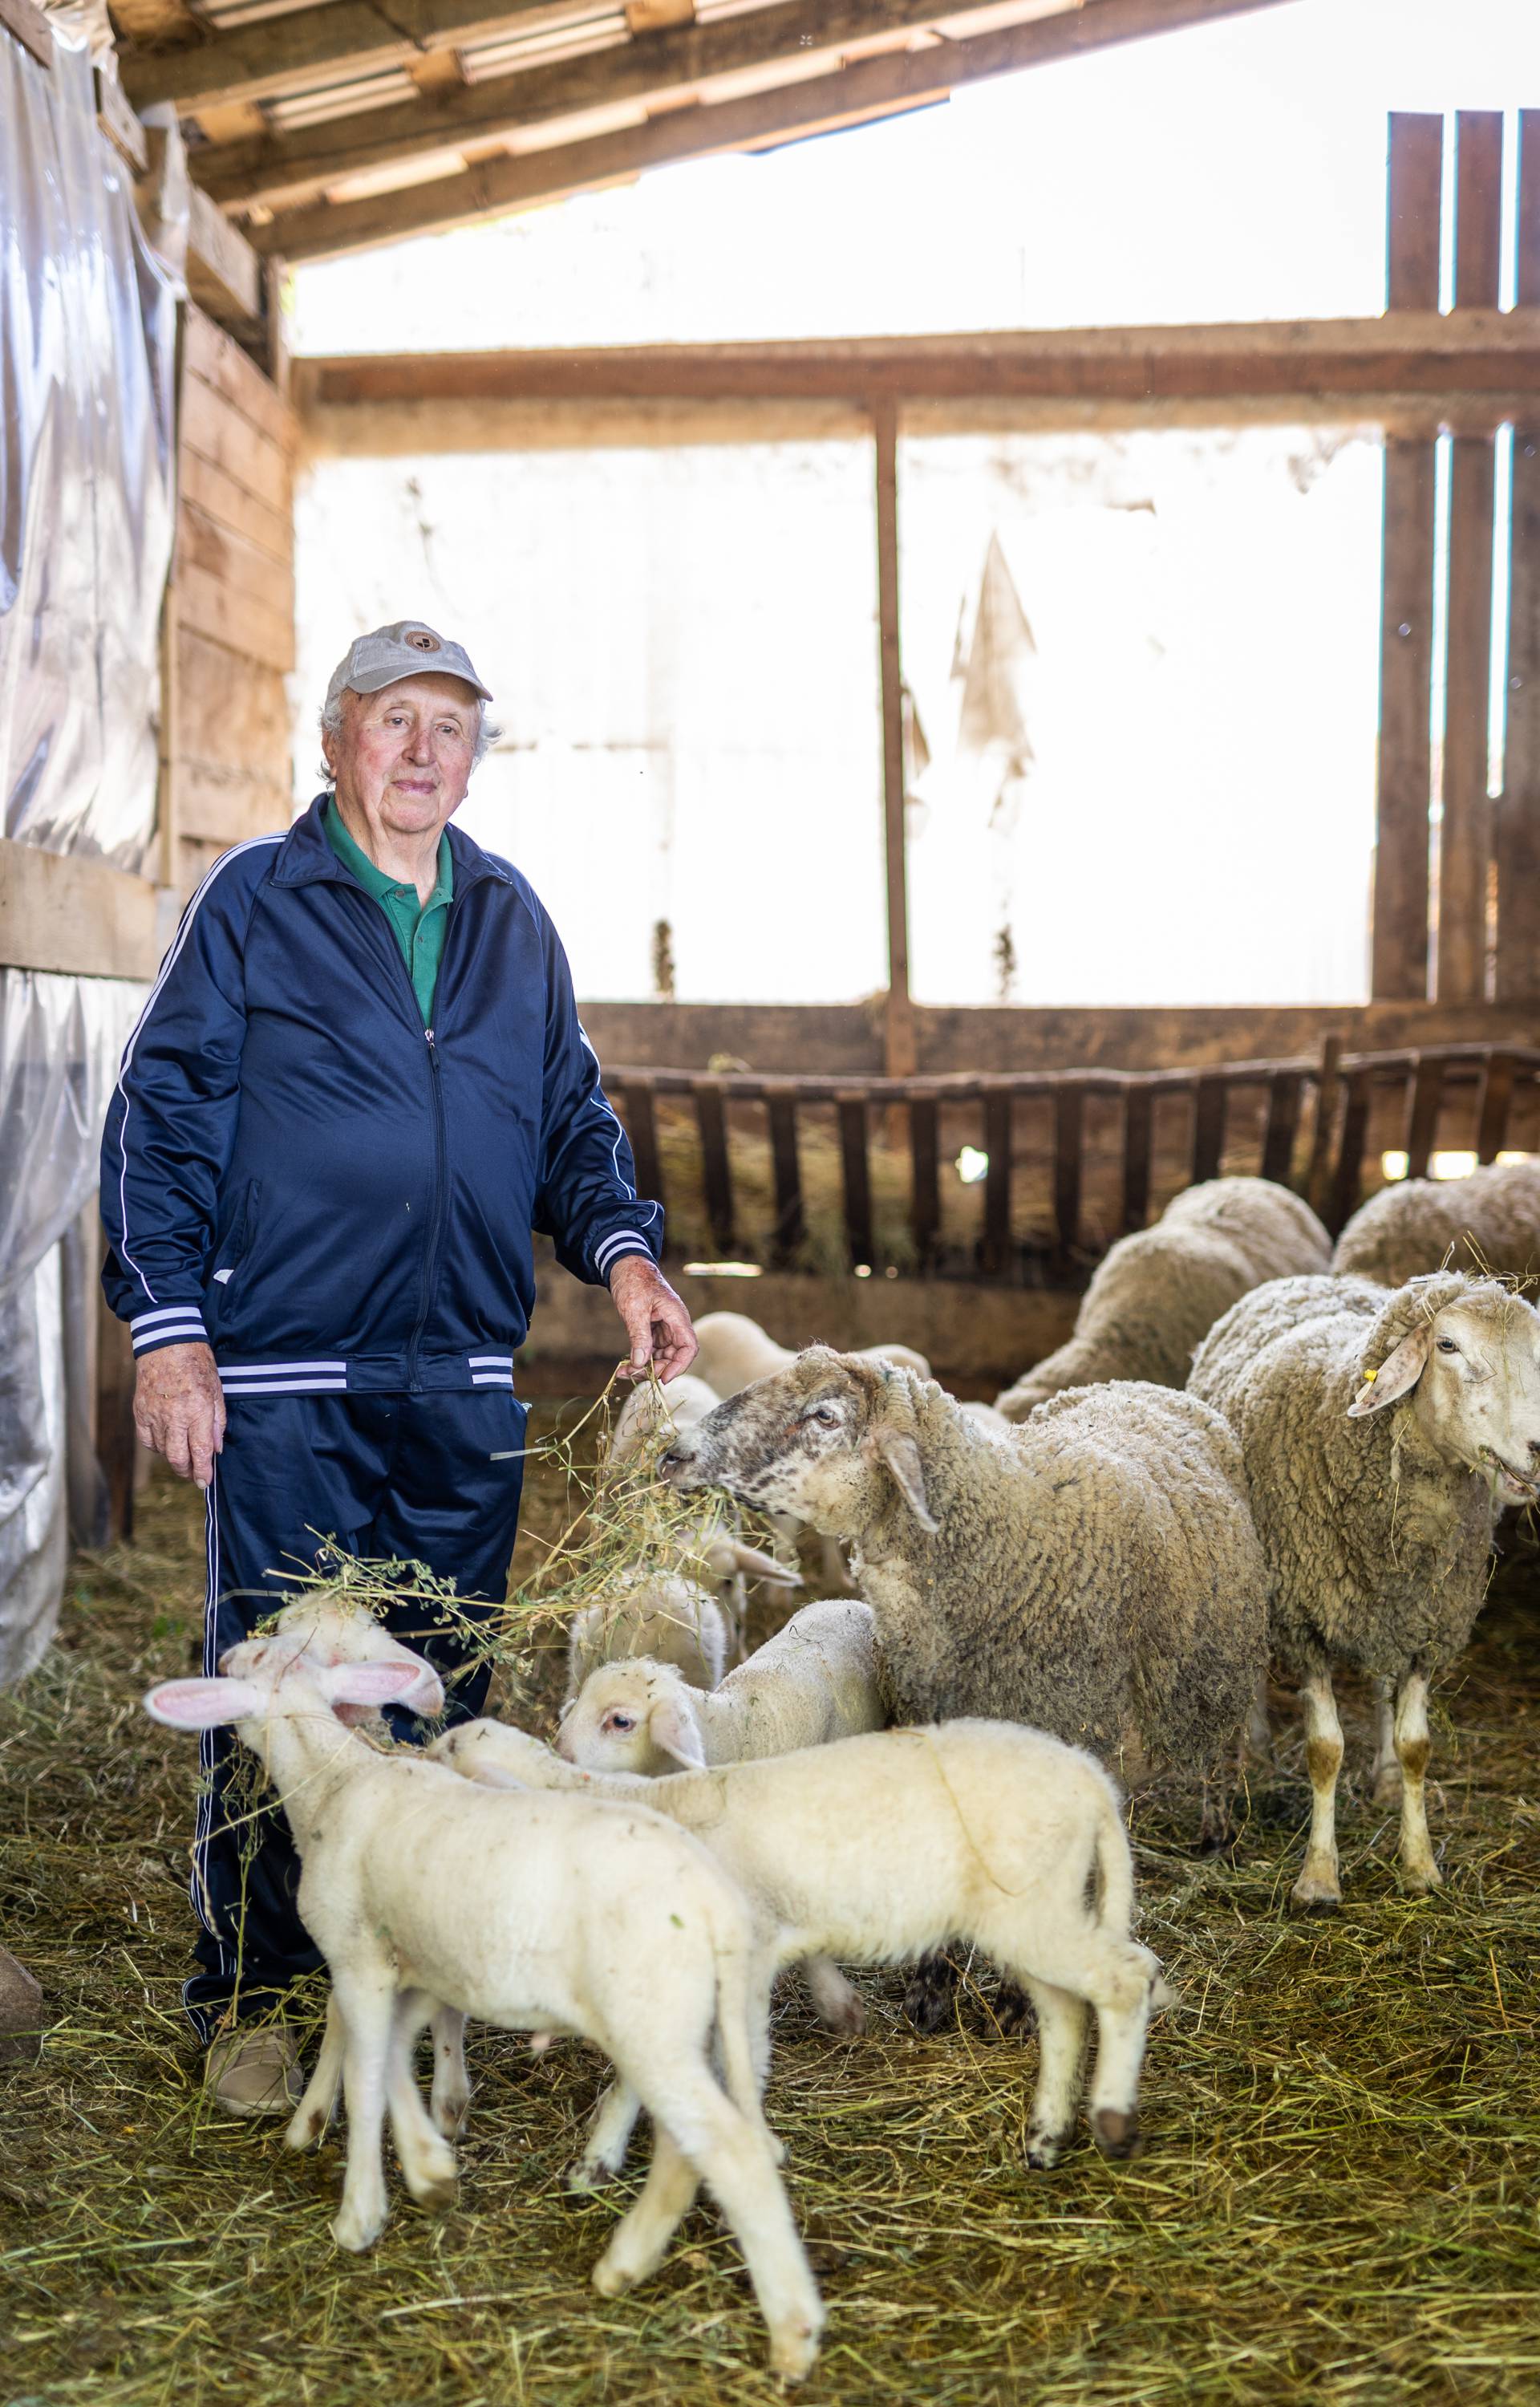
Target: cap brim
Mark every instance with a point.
(419, 668)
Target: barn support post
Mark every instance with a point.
(1399, 919)
(900, 1057)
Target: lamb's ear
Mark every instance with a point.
(388, 1683)
(1396, 1376)
(672, 1728)
(203, 1704)
(756, 1565)
(902, 1457)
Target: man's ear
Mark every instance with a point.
(1396, 1376)
(902, 1457)
(203, 1704)
(672, 1728)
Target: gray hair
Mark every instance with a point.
(331, 724)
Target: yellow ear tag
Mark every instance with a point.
(1369, 1377)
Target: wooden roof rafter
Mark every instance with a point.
(444, 142)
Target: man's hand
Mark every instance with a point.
(657, 1320)
(179, 1407)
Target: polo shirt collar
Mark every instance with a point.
(305, 857)
(378, 881)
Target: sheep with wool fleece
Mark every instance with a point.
(1157, 1294)
(880, 1849)
(1488, 1222)
(713, 1552)
(595, 1918)
(1381, 1434)
(1097, 1574)
(814, 1681)
(734, 1351)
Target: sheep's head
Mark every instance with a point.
(331, 1631)
(1466, 1352)
(263, 1680)
(631, 1717)
(832, 1441)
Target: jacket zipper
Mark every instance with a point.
(428, 1286)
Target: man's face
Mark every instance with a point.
(402, 757)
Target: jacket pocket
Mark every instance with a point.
(230, 1254)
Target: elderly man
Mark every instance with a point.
(358, 1084)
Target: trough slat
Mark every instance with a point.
(1347, 1182)
(925, 1208)
(1209, 1096)
(1284, 1089)
(1068, 1135)
(996, 1251)
(1423, 1098)
(716, 1170)
(790, 1223)
(1491, 1118)
(636, 1098)
(858, 1177)
(1138, 1127)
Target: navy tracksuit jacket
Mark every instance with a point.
(341, 1203)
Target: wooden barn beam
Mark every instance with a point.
(65, 912)
(1491, 356)
(224, 274)
(278, 169)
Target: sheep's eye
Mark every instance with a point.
(824, 1414)
(621, 1722)
(1447, 1345)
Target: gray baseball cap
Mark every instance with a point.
(403, 649)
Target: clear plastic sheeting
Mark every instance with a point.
(1147, 667)
(86, 358)
(60, 1043)
(34, 1515)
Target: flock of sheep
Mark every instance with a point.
(1253, 1452)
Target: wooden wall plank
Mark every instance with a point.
(219, 552)
(220, 434)
(235, 619)
(217, 359)
(1399, 943)
(1414, 209)
(1465, 840)
(65, 912)
(1517, 835)
(898, 1029)
(1465, 837)
(229, 505)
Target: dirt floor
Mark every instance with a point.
(1337, 2201)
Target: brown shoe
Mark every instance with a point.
(255, 2070)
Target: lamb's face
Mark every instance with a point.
(631, 1717)
(1473, 1370)
(329, 1632)
(794, 1444)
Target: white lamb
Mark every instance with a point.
(591, 1918)
(814, 1681)
(882, 1849)
(657, 1613)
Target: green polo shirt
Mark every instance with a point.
(417, 927)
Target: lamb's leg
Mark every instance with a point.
(693, 2119)
(366, 2003)
(1418, 1871)
(1257, 1745)
(1386, 1772)
(1061, 2040)
(837, 2006)
(1319, 1886)
(426, 2161)
(451, 2091)
(928, 2000)
(1123, 2004)
(607, 2138)
(318, 2104)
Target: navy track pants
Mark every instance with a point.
(410, 1476)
